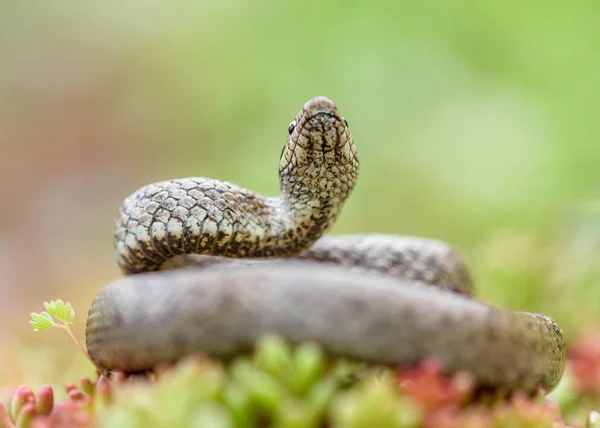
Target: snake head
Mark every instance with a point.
(320, 153)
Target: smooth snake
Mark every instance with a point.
(212, 267)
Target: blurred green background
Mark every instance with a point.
(476, 123)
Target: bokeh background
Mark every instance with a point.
(476, 123)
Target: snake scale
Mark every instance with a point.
(212, 267)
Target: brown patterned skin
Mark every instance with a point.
(260, 265)
(317, 169)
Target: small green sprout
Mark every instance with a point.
(41, 322)
(58, 314)
(57, 309)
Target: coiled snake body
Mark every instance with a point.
(266, 268)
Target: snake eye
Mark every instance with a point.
(346, 122)
(291, 128)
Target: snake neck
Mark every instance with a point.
(310, 202)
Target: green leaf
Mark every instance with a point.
(61, 311)
(41, 322)
(274, 356)
(309, 364)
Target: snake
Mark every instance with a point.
(210, 267)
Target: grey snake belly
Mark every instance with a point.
(212, 267)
